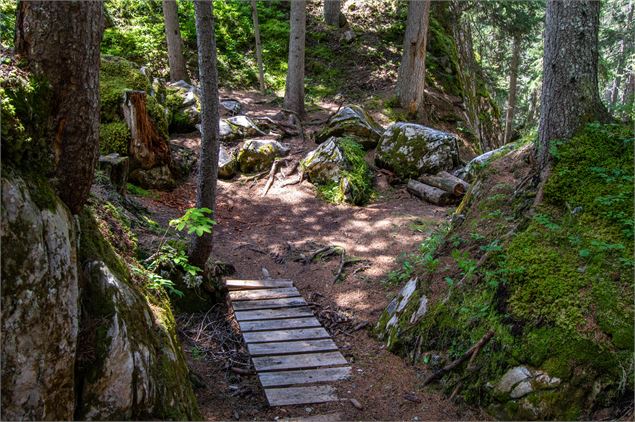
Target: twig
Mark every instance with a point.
(241, 371)
(456, 390)
(473, 350)
(339, 270)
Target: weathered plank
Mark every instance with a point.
(285, 335)
(278, 324)
(291, 347)
(300, 395)
(308, 360)
(286, 302)
(264, 293)
(273, 314)
(304, 376)
(257, 284)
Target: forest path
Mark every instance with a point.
(271, 232)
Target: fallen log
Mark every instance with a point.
(447, 182)
(429, 193)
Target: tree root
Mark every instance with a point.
(471, 353)
(274, 169)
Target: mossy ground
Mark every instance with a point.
(557, 294)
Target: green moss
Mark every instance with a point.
(114, 137)
(117, 75)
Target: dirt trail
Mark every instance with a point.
(255, 232)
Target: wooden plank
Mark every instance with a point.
(291, 347)
(300, 395)
(286, 335)
(278, 324)
(264, 293)
(286, 302)
(257, 284)
(308, 360)
(273, 314)
(305, 376)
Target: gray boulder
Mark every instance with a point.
(183, 160)
(325, 163)
(226, 163)
(410, 150)
(258, 154)
(238, 127)
(183, 103)
(40, 303)
(230, 107)
(155, 178)
(352, 121)
(471, 169)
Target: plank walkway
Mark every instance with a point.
(294, 356)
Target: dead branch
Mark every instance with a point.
(241, 371)
(274, 169)
(293, 182)
(472, 351)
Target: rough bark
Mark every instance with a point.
(511, 99)
(446, 182)
(201, 247)
(570, 95)
(332, 12)
(261, 72)
(412, 71)
(174, 41)
(294, 89)
(429, 193)
(60, 40)
(533, 106)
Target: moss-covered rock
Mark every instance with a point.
(477, 164)
(338, 169)
(258, 154)
(182, 101)
(114, 137)
(352, 121)
(410, 150)
(227, 164)
(557, 294)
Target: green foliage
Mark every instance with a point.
(194, 221)
(7, 22)
(117, 75)
(355, 185)
(114, 137)
(138, 191)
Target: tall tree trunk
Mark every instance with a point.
(570, 95)
(60, 40)
(412, 71)
(622, 57)
(332, 12)
(294, 89)
(628, 94)
(175, 43)
(201, 247)
(533, 106)
(511, 99)
(261, 72)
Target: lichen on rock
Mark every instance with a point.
(258, 154)
(353, 122)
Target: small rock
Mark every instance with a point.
(356, 404)
(348, 35)
(513, 377)
(308, 409)
(406, 293)
(236, 415)
(522, 389)
(421, 310)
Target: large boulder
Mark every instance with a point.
(183, 160)
(139, 369)
(182, 101)
(338, 169)
(155, 178)
(410, 150)
(227, 164)
(258, 154)
(352, 121)
(40, 303)
(238, 127)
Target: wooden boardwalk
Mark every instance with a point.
(294, 356)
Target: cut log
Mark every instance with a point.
(429, 193)
(116, 168)
(447, 182)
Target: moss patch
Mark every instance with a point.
(114, 137)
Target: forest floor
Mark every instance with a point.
(256, 232)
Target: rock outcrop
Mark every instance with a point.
(352, 121)
(258, 154)
(410, 150)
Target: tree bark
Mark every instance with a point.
(412, 71)
(447, 182)
(533, 106)
(294, 89)
(570, 95)
(60, 40)
(261, 72)
(511, 99)
(201, 247)
(332, 12)
(622, 58)
(175, 43)
(429, 193)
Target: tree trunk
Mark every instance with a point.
(175, 43)
(628, 94)
(60, 40)
(511, 100)
(621, 59)
(294, 89)
(332, 12)
(533, 106)
(412, 71)
(429, 193)
(570, 95)
(261, 72)
(201, 247)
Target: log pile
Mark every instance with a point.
(440, 189)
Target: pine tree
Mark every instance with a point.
(174, 41)
(294, 88)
